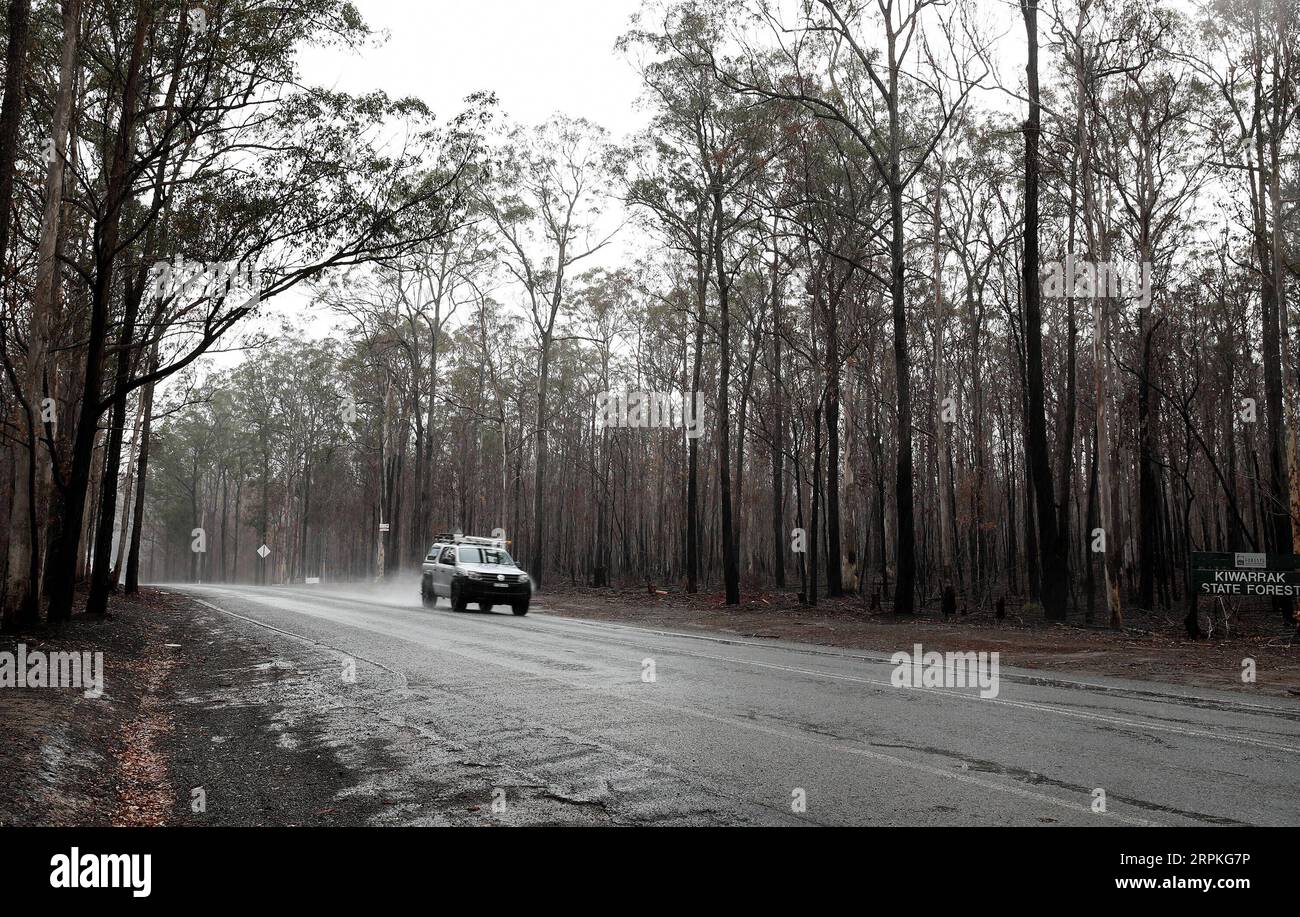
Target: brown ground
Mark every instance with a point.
(209, 720)
(1153, 646)
(74, 760)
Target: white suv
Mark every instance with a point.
(464, 569)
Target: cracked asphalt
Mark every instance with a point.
(361, 707)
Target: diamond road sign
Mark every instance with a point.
(263, 551)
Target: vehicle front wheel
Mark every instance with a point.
(520, 608)
(429, 599)
(458, 600)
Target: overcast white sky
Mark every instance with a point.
(538, 56)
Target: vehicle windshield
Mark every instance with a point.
(473, 555)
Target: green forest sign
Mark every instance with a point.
(1244, 574)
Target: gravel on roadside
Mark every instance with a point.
(207, 719)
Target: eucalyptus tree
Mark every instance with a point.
(1088, 59)
(1053, 544)
(1249, 56)
(846, 61)
(171, 179)
(546, 204)
(833, 202)
(710, 150)
(32, 479)
(1156, 172)
(660, 176)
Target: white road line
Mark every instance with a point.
(347, 653)
(844, 747)
(1024, 705)
(858, 751)
(1146, 693)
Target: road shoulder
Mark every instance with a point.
(207, 719)
(1153, 649)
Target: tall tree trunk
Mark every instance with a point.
(943, 428)
(814, 529)
(63, 561)
(538, 553)
(142, 477)
(1288, 369)
(834, 554)
(1054, 585)
(100, 574)
(1105, 479)
(905, 556)
(102, 581)
(22, 588)
(1279, 521)
(127, 505)
(234, 547)
(225, 523)
(693, 453)
(730, 560)
(779, 538)
(11, 115)
(1148, 501)
(306, 516)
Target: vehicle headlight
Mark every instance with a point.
(474, 575)
(523, 577)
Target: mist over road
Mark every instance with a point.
(734, 731)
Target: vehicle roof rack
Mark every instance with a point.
(458, 538)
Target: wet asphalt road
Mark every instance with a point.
(734, 731)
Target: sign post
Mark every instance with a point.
(1218, 574)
